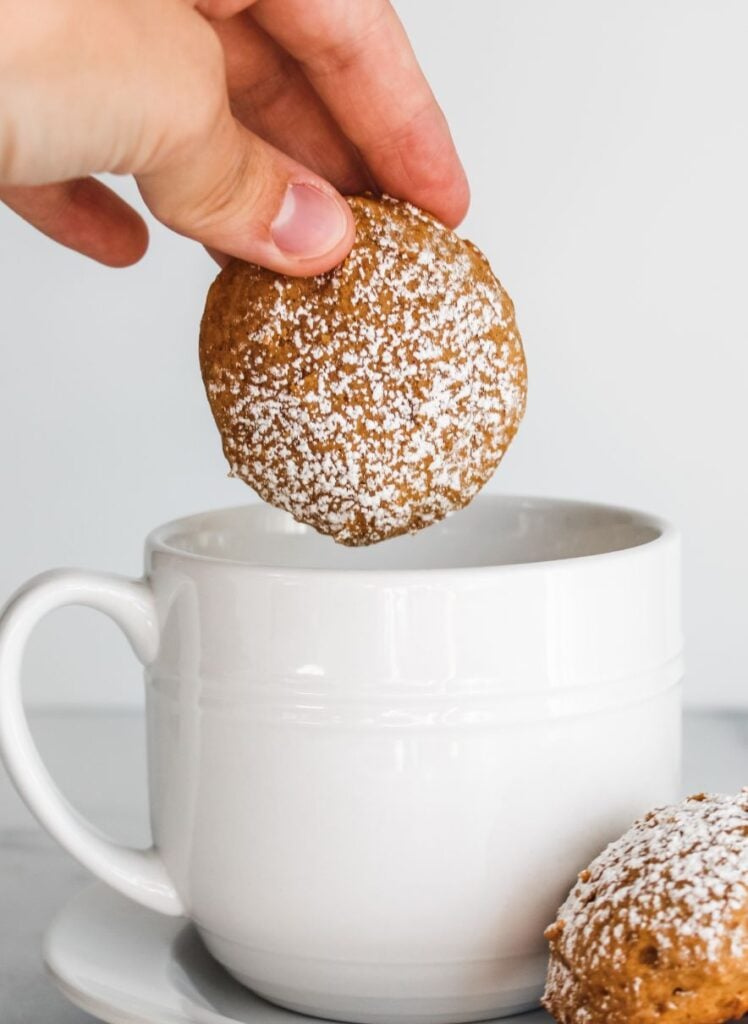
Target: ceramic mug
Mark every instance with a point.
(374, 773)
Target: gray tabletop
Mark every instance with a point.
(99, 761)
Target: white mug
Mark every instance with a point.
(374, 773)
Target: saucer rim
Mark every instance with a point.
(97, 1005)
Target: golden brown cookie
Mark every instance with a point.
(374, 399)
(656, 930)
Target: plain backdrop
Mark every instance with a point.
(607, 148)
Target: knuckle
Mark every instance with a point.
(330, 59)
(226, 196)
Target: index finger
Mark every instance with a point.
(358, 58)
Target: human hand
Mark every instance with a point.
(238, 119)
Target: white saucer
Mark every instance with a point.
(123, 963)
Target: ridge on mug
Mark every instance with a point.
(374, 773)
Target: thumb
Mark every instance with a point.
(235, 193)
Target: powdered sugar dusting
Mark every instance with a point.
(376, 398)
(672, 890)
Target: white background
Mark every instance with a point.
(607, 147)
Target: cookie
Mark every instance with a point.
(372, 400)
(656, 929)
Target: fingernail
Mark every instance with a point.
(309, 223)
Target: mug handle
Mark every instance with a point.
(139, 874)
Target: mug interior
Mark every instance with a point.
(495, 530)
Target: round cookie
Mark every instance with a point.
(372, 400)
(656, 930)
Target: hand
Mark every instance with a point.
(238, 120)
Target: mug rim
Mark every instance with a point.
(667, 534)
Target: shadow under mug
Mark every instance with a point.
(374, 773)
